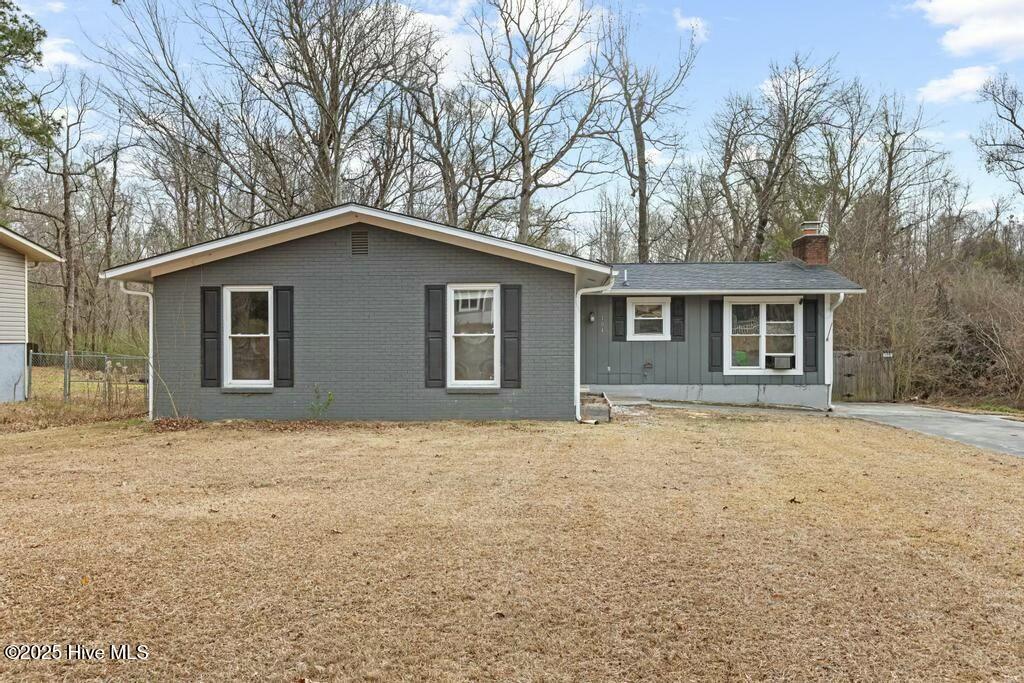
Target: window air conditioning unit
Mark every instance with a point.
(779, 362)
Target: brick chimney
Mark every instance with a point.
(811, 246)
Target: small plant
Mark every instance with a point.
(319, 405)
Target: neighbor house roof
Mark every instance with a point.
(23, 245)
(592, 272)
(729, 278)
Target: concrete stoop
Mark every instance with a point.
(595, 407)
(627, 406)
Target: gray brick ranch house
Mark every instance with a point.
(406, 319)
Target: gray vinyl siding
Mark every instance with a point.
(673, 362)
(12, 296)
(359, 331)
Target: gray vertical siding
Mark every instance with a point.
(672, 362)
(359, 331)
(12, 296)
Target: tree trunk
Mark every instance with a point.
(525, 197)
(643, 235)
(759, 237)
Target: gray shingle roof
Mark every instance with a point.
(729, 277)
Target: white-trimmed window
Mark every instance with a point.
(647, 318)
(763, 336)
(474, 349)
(248, 348)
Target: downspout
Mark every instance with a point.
(149, 359)
(576, 335)
(829, 339)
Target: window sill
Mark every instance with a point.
(473, 390)
(247, 390)
(762, 372)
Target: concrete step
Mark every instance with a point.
(595, 407)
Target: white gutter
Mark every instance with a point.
(728, 292)
(829, 339)
(576, 336)
(149, 358)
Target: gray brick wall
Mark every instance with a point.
(359, 331)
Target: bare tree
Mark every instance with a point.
(1001, 140)
(293, 91)
(697, 218)
(466, 141)
(612, 243)
(757, 143)
(640, 124)
(64, 166)
(538, 68)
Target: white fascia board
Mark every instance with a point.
(727, 292)
(28, 248)
(146, 269)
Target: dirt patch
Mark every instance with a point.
(679, 546)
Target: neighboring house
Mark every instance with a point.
(15, 254)
(405, 319)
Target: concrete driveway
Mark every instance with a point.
(993, 432)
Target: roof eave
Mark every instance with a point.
(27, 248)
(728, 292)
(146, 269)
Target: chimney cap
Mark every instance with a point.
(810, 228)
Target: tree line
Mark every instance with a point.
(551, 130)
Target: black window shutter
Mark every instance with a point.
(209, 333)
(678, 318)
(715, 349)
(618, 318)
(511, 334)
(810, 335)
(435, 335)
(284, 336)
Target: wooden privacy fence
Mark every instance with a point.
(863, 376)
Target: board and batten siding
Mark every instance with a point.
(607, 362)
(13, 305)
(359, 326)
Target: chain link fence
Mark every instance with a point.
(115, 382)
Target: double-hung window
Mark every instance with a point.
(248, 351)
(473, 341)
(648, 318)
(762, 336)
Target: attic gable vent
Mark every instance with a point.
(360, 242)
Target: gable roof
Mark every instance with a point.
(146, 269)
(730, 277)
(28, 248)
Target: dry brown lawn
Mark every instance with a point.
(679, 546)
(86, 405)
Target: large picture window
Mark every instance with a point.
(761, 336)
(473, 342)
(248, 351)
(647, 319)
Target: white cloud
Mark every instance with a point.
(937, 135)
(55, 7)
(979, 25)
(454, 23)
(55, 53)
(454, 38)
(962, 84)
(695, 25)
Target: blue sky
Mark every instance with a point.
(935, 52)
